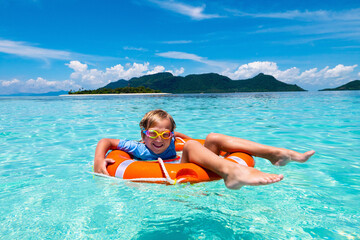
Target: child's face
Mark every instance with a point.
(158, 144)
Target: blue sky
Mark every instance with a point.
(62, 45)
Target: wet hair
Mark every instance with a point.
(150, 118)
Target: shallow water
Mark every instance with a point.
(47, 148)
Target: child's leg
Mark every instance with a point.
(278, 156)
(235, 175)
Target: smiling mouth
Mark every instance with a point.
(158, 145)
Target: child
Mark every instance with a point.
(157, 132)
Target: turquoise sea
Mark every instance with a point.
(47, 190)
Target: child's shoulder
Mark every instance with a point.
(127, 142)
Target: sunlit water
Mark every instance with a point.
(47, 148)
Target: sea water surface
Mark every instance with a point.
(47, 190)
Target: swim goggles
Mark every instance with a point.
(154, 134)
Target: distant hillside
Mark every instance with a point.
(205, 83)
(118, 84)
(353, 85)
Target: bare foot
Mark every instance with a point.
(241, 175)
(282, 156)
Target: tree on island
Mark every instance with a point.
(140, 89)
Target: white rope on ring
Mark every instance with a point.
(163, 168)
(133, 179)
(166, 179)
(180, 139)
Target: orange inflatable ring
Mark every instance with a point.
(126, 167)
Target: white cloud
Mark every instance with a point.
(157, 69)
(23, 49)
(193, 57)
(177, 72)
(43, 85)
(27, 50)
(38, 85)
(326, 76)
(181, 55)
(295, 14)
(140, 49)
(319, 15)
(251, 69)
(94, 78)
(312, 25)
(312, 77)
(9, 83)
(77, 66)
(82, 77)
(178, 42)
(196, 13)
(339, 71)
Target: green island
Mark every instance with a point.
(165, 82)
(353, 85)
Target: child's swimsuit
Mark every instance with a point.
(140, 151)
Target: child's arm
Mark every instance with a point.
(181, 135)
(103, 146)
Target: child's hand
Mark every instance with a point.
(100, 166)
